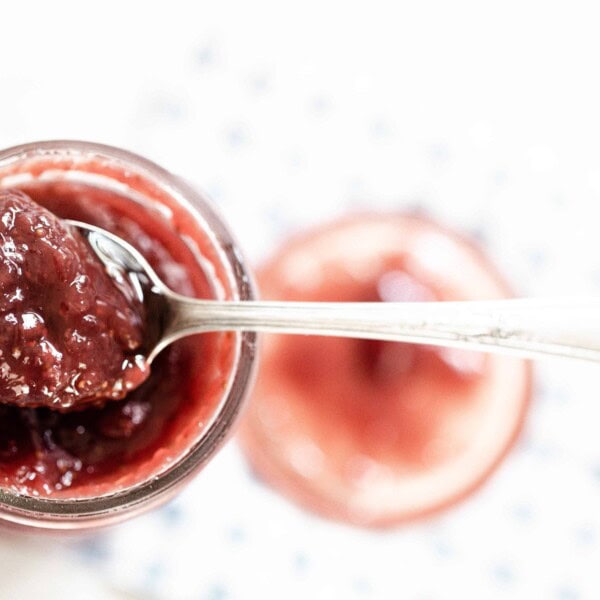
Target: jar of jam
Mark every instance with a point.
(370, 432)
(80, 469)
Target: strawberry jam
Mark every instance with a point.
(85, 334)
(68, 335)
(374, 432)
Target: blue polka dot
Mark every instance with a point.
(536, 258)
(567, 592)
(586, 535)
(500, 177)
(503, 574)
(300, 562)
(596, 473)
(166, 108)
(363, 587)
(380, 129)
(152, 574)
(555, 395)
(439, 153)
(237, 534)
(216, 192)
(479, 236)
(94, 549)
(297, 160)
(206, 55)
(319, 105)
(523, 513)
(595, 277)
(216, 592)
(259, 84)
(443, 550)
(237, 136)
(172, 515)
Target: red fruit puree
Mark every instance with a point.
(378, 432)
(70, 340)
(68, 334)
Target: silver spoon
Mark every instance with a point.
(565, 327)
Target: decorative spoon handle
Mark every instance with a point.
(566, 327)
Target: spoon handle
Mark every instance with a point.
(529, 327)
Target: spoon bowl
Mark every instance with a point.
(136, 279)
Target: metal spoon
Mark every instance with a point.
(566, 327)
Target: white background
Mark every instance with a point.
(485, 114)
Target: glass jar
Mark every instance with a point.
(188, 213)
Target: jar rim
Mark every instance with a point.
(77, 513)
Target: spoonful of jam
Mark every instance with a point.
(83, 315)
(71, 334)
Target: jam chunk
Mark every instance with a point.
(68, 336)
